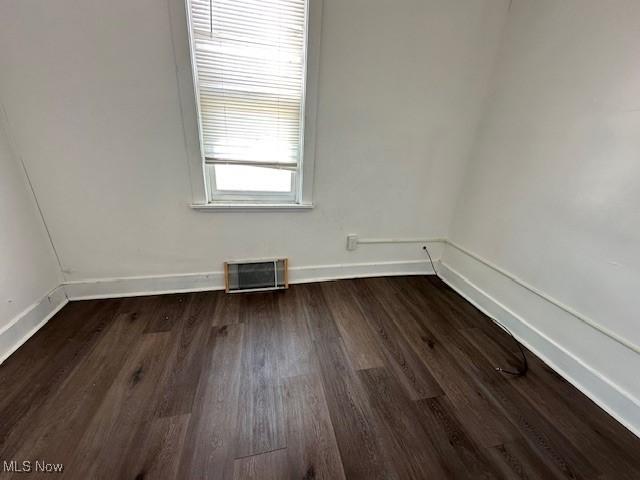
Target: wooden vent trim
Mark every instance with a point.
(256, 275)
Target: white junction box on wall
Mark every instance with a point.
(352, 241)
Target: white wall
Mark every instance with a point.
(28, 268)
(92, 99)
(552, 191)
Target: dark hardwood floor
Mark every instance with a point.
(372, 378)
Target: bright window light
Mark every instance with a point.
(243, 178)
(249, 61)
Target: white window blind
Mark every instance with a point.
(250, 70)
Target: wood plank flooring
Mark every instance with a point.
(358, 379)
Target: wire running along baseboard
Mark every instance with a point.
(539, 293)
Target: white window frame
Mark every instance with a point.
(301, 196)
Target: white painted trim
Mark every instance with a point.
(205, 281)
(324, 273)
(29, 321)
(518, 281)
(310, 110)
(612, 398)
(143, 285)
(187, 96)
(380, 241)
(544, 296)
(243, 207)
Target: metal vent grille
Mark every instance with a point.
(256, 276)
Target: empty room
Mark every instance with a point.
(320, 239)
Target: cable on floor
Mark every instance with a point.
(520, 372)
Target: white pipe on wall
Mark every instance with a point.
(372, 241)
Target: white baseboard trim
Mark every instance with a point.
(29, 321)
(198, 282)
(612, 398)
(144, 285)
(324, 273)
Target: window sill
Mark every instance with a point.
(237, 206)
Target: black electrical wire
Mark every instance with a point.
(520, 372)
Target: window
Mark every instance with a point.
(249, 59)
